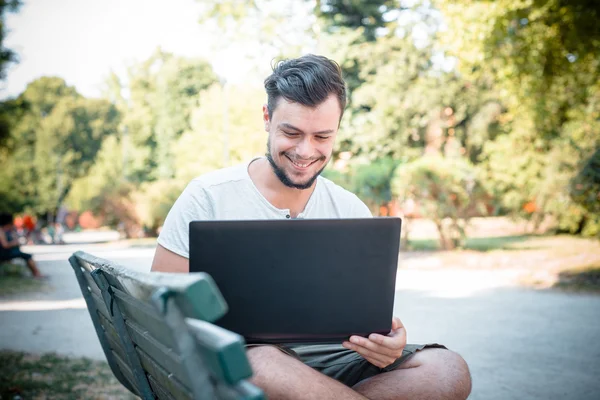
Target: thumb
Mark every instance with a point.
(396, 324)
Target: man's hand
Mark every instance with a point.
(380, 350)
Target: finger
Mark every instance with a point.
(396, 340)
(396, 324)
(387, 351)
(380, 360)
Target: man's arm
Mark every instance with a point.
(167, 261)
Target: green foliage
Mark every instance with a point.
(163, 91)
(585, 192)
(225, 129)
(153, 201)
(365, 14)
(543, 52)
(371, 182)
(447, 190)
(585, 187)
(543, 59)
(6, 55)
(513, 123)
(105, 177)
(54, 142)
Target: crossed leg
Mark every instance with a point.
(428, 374)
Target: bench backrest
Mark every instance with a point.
(156, 332)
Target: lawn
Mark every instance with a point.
(16, 279)
(543, 261)
(49, 376)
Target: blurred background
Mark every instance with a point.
(477, 121)
(458, 109)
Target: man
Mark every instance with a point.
(306, 100)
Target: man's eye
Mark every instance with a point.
(291, 133)
(322, 137)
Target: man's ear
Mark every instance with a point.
(266, 118)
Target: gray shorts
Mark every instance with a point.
(342, 364)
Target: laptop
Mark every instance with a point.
(301, 280)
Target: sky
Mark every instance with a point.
(83, 40)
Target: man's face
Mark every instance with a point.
(301, 140)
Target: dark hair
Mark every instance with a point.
(6, 218)
(307, 80)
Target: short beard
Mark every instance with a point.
(285, 179)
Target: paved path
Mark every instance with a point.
(520, 344)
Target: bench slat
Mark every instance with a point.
(144, 315)
(169, 358)
(125, 370)
(164, 378)
(93, 306)
(222, 351)
(102, 310)
(112, 337)
(160, 392)
(92, 284)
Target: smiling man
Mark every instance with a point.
(306, 98)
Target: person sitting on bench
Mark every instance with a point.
(10, 247)
(306, 98)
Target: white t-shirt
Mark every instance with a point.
(229, 194)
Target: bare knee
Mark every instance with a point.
(447, 369)
(260, 354)
(267, 361)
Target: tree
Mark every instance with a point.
(368, 15)
(6, 55)
(163, 91)
(543, 58)
(544, 53)
(55, 141)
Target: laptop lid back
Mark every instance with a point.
(305, 280)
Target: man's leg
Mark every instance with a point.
(282, 376)
(428, 374)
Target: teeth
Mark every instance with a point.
(301, 165)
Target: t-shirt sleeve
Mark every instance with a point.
(192, 205)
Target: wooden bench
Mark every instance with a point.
(156, 332)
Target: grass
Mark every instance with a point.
(16, 278)
(542, 261)
(476, 244)
(49, 376)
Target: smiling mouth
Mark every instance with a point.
(301, 165)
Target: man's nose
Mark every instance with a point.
(305, 148)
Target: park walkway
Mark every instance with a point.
(519, 343)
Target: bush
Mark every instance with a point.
(584, 190)
(153, 202)
(447, 190)
(370, 182)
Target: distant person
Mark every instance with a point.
(57, 233)
(306, 98)
(10, 246)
